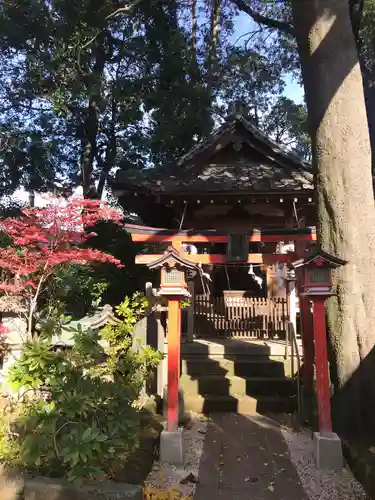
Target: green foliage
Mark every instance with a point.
(163, 301)
(132, 369)
(88, 420)
(126, 280)
(73, 289)
(81, 83)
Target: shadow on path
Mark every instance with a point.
(246, 457)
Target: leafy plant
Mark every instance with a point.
(123, 361)
(76, 414)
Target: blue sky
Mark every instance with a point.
(244, 24)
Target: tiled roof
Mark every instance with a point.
(278, 170)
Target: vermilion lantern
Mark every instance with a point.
(318, 273)
(173, 273)
(173, 285)
(318, 286)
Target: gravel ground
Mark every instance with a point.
(166, 477)
(320, 484)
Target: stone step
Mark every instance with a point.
(242, 367)
(229, 385)
(241, 404)
(227, 347)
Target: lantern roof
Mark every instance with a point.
(319, 258)
(171, 258)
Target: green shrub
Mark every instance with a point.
(76, 415)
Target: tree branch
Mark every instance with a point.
(260, 19)
(127, 8)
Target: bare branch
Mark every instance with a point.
(260, 19)
(127, 8)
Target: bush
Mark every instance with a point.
(76, 415)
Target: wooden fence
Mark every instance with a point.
(244, 317)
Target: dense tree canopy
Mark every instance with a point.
(86, 87)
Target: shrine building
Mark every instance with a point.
(251, 205)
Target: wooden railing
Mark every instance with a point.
(244, 317)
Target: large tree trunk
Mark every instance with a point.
(89, 147)
(213, 44)
(342, 158)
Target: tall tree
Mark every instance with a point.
(342, 161)
(342, 156)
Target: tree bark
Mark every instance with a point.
(91, 122)
(345, 197)
(356, 9)
(194, 35)
(214, 41)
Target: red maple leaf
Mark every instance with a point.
(44, 238)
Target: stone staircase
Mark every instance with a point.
(236, 376)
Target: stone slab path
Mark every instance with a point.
(246, 458)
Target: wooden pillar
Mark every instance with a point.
(191, 312)
(306, 324)
(292, 298)
(307, 341)
(322, 373)
(270, 276)
(162, 370)
(174, 346)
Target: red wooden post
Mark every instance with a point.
(307, 341)
(306, 324)
(174, 335)
(322, 373)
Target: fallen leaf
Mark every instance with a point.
(190, 478)
(271, 488)
(238, 459)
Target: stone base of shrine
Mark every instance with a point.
(328, 451)
(172, 447)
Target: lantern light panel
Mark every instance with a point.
(171, 276)
(173, 282)
(173, 273)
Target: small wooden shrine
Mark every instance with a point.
(242, 208)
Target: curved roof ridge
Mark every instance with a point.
(253, 129)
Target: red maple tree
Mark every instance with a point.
(43, 239)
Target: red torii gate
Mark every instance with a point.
(176, 238)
